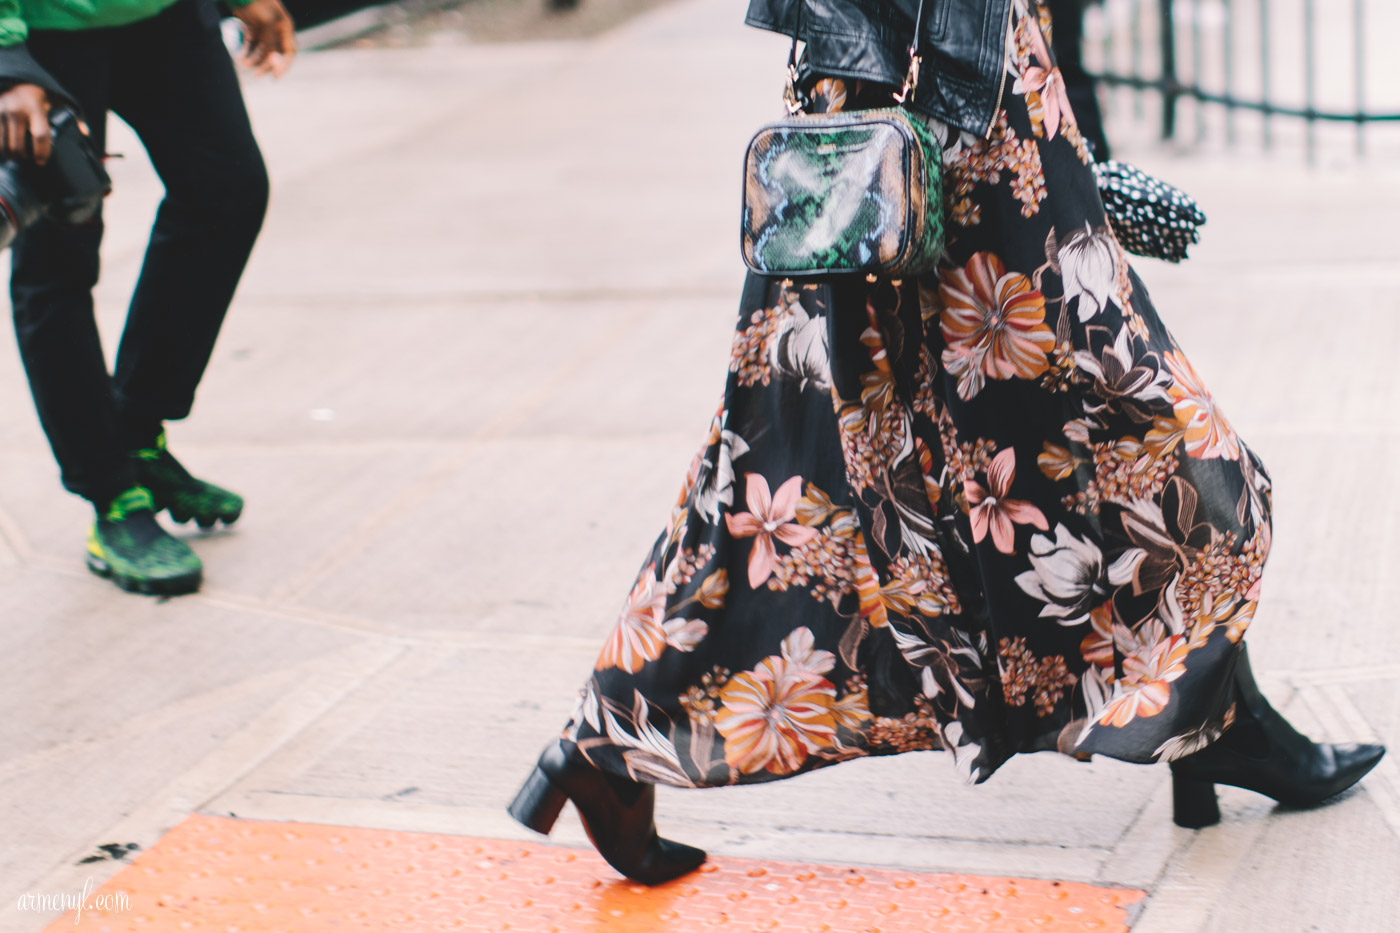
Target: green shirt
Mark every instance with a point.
(17, 17)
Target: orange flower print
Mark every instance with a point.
(1163, 438)
(1207, 435)
(1097, 647)
(993, 323)
(852, 711)
(992, 510)
(1146, 685)
(872, 606)
(769, 516)
(638, 636)
(775, 716)
(1235, 628)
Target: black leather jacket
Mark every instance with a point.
(964, 44)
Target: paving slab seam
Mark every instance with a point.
(490, 822)
(1081, 865)
(916, 837)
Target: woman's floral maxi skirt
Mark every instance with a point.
(994, 511)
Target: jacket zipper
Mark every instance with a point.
(1005, 65)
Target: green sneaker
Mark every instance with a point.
(128, 546)
(186, 497)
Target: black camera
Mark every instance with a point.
(68, 188)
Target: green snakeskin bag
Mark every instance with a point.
(857, 192)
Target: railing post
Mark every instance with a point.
(1265, 91)
(1360, 57)
(1229, 41)
(1197, 60)
(1310, 75)
(1135, 30)
(1171, 89)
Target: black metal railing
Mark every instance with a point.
(1154, 35)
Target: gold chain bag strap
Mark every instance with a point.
(834, 193)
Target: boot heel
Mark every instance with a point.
(537, 804)
(1193, 803)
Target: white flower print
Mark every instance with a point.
(1137, 384)
(649, 755)
(1088, 270)
(799, 349)
(1179, 746)
(714, 485)
(1069, 576)
(684, 634)
(803, 657)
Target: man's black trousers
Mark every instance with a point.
(172, 81)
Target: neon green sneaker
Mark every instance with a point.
(173, 488)
(128, 546)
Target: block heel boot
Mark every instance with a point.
(616, 813)
(1263, 753)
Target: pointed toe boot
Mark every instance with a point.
(617, 814)
(1262, 752)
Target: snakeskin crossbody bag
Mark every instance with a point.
(836, 193)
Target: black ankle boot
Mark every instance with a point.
(616, 814)
(1263, 753)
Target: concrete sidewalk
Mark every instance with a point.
(479, 341)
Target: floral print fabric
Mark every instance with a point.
(993, 511)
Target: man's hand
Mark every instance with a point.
(24, 122)
(269, 38)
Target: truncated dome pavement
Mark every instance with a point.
(245, 876)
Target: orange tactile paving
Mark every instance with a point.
(243, 876)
